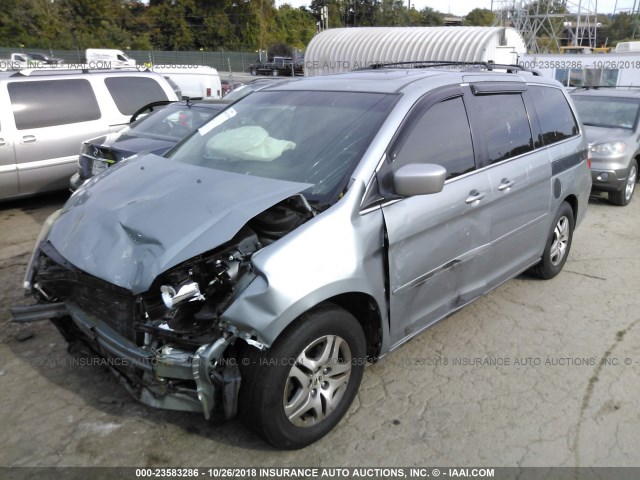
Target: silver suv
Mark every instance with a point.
(307, 229)
(611, 120)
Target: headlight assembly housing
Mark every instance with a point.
(609, 149)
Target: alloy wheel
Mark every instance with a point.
(317, 381)
(560, 240)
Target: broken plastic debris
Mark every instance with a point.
(22, 336)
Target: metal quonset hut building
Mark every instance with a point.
(343, 49)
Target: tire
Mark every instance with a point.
(297, 391)
(275, 72)
(624, 196)
(253, 72)
(558, 244)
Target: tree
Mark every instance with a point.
(480, 17)
(340, 11)
(392, 13)
(431, 17)
(172, 29)
(620, 29)
(294, 27)
(187, 24)
(414, 18)
(540, 7)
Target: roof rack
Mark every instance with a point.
(29, 72)
(490, 66)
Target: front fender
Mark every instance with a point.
(340, 251)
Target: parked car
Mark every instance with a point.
(196, 82)
(277, 66)
(17, 61)
(45, 115)
(156, 132)
(610, 117)
(108, 58)
(309, 227)
(46, 60)
(229, 86)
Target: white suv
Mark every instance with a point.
(45, 115)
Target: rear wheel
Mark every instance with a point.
(558, 244)
(275, 72)
(297, 391)
(623, 197)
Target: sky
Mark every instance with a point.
(462, 7)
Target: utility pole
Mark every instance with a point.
(634, 12)
(323, 24)
(261, 33)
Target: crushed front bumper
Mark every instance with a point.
(152, 375)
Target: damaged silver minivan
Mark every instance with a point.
(309, 228)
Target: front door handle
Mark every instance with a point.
(2, 142)
(475, 197)
(28, 139)
(506, 184)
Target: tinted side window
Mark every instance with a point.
(441, 135)
(505, 125)
(52, 102)
(554, 114)
(133, 93)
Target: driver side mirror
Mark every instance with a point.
(419, 179)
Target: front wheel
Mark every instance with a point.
(296, 392)
(558, 244)
(623, 197)
(275, 72)
(253, 72)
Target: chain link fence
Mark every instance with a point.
(221, 59)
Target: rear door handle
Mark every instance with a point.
(475, 197)
(28, 139)
(506, 184)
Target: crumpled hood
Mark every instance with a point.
(148, 214)
(596, 135)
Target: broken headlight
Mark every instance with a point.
(188, 292)
(187, 301)
(95, 159)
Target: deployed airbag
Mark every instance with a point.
(248, 143)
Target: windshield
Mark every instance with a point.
(608, 112)
(173, 122)
(301, 136)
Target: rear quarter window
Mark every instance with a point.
(557, 121)
(49, 103)
(132, 93)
